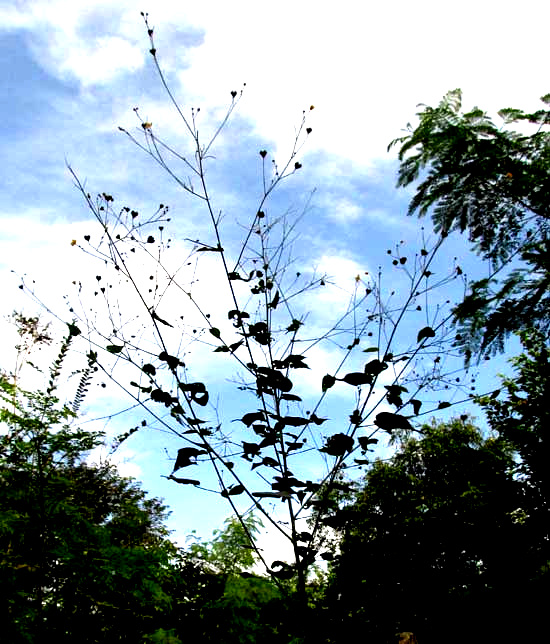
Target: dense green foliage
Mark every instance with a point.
(84, 554)
(452, 532)
(431, 526)
(522, 417)
(493, 182)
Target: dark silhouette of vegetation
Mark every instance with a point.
(454, 521)
(429, 533)
(493, 182)
(394, 346)
(84, 553)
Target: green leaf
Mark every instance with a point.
(73, 330)
(222, 349)
(215, 332)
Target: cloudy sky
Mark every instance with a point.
(73, 72)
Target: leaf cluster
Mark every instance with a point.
(493, 182)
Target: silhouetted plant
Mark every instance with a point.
(151, 324)
(493, 182)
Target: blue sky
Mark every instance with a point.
(73, 71)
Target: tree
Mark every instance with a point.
(231, 550)
(430, 544)
(161, 325)
(493, 182)
(236, 605)
(521, 417)
(84, 553)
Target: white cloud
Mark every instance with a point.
(101, 61)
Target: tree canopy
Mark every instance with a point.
(493, 182)
(431, 537)
(84, 553)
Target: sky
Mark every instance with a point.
(73, 72)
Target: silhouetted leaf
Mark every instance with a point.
(365, 442)
(375, 367)
(172, 361)
(328, 382)
(74, 330)
(158, 395)
(315, 419)
(253, 417)
(195, 421)
(355, 417)
(233, 491)
(289, 397)
(210, 249)
(394, 394)
(274, 302)
(272, 379)
(416, 405)
(183, 481)
(185, 454)
(113, 348)
(294, 326)
(444, 405)
(159, 319)
(292, 361)
(267, 462)
(426, 332)
(149, 369)
(215, 332)
(222, 349)
(197, 391)
(285, 570)
(357, 378)
(338, 445)
(260, 333)
(388, 421)
(293, 446)
(250, 449)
